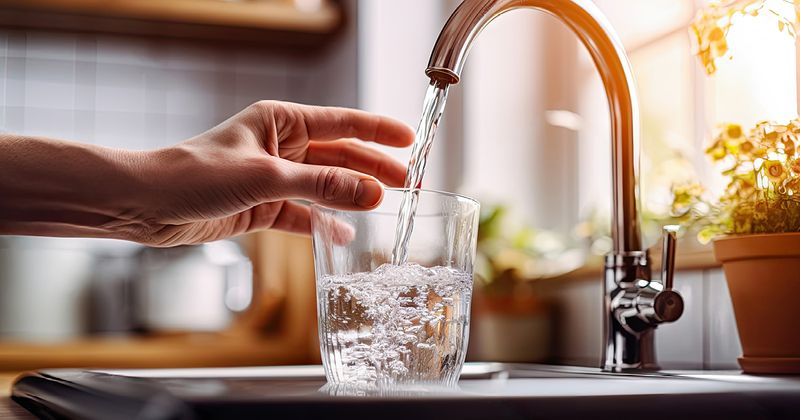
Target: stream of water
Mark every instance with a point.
(432, 108)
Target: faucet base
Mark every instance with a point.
(627, 352)
(629, 334)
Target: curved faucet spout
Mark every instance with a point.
(634, 305)
(591, 27)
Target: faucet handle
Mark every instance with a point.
(668, 255)
(668, 304)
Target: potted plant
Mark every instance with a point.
(755, 222)
(755, 228)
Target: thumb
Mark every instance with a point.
(330, 185)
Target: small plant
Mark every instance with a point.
(762, 168)
(709, 30)
(511, 253)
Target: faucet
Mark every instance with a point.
(635, 304)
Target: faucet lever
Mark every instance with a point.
(668, 304)
(668, 255)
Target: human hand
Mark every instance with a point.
(242, 175)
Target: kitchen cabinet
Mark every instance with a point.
(258, 21)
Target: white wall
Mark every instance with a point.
(395, 41)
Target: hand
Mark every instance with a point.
(242, 175)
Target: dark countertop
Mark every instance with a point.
(493, 390)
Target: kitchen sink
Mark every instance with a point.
(486, 390)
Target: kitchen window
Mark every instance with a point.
(536, 125)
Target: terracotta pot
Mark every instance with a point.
(763, 273)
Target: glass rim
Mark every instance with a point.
(471, 200)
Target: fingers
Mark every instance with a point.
(292, 217)
(282, 215)
(329, 185)
(362, 158)
(297, 218)
(329, 123)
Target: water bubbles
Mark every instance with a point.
(400, 323)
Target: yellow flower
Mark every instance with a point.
(734, 131)
(774, 170)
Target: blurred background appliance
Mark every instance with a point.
(56, 289)
(197, 288)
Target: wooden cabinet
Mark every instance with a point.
(260, 21)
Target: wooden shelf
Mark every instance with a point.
(155, 352)
(255, 20)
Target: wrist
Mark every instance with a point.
(58, 188)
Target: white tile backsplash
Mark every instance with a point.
(120, 129)
(85, 97)
(132, 92)
(49, 95)
(128, 50)
(120, 98)
(190, 57)
(50, 70)
(723, 338)
(156, 130)
(120, 75)
(14, 119)
(51, 45)
(680, 344)
(84, 125)
(181, 127)
(191, 102)
(58, 123)
(250, 88)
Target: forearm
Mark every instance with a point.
(56, 188)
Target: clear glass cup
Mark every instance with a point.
(383, 324)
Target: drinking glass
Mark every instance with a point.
(385, 324)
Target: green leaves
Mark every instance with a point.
(763, 191)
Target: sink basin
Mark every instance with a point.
(487, 390)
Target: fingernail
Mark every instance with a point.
(368, 193)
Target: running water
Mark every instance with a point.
(432, 108)
(399, 324)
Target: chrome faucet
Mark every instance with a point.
(634, 304)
